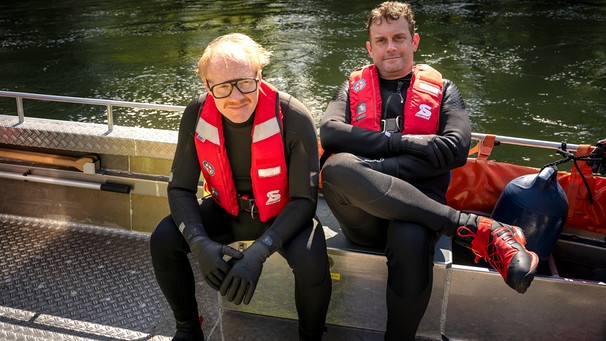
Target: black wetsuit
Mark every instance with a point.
(385, 195)
(291, 229)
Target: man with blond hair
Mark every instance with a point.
(257, 150)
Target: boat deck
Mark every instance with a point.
(60, 281)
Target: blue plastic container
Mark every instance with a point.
(537, 204)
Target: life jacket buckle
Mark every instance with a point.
(247, 204)
(391, 125)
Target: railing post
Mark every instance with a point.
(20, 112)
(110, 118)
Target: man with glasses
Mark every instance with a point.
(257, 151)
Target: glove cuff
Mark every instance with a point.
(261, 250)
(269, 243)
(192, 232)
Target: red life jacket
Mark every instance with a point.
(421, 108)
(268, 166)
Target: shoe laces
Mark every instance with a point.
(495, 246)
(478, 245)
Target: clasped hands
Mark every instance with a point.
(235, 278)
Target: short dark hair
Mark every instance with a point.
(392, 10)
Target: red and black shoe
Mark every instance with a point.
(502, 246)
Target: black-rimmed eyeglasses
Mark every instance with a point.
(244, 85)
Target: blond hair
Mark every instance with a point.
(233, 47)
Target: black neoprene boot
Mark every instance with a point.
(189, 331)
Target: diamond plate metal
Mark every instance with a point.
(88, 137)
(60, 281)
(65, 281)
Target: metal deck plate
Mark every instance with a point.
(88, 137)
(62, 281)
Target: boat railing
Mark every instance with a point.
(110, 104)
(527, 142)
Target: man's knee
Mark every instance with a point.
(309, 264)
(165, 236)
(339, 167)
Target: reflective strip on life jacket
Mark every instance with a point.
(421, 108)
(268, 165)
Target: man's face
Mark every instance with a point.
(236, 107)
(392, 47)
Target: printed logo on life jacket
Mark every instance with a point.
(424, 112)
(361, 111)
(268, 172)
(273, 197)
(359, 85)
(215, 193)
(208, 167)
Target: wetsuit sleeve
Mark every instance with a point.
(453, 138)
(303, 167)
(337, 135)
(185, 173)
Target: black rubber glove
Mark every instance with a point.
(210, 255)
(598, 166)
(241, 281)
(439, 151)
(210, 260)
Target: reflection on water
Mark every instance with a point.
(534, 69)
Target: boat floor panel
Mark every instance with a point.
(64, 281)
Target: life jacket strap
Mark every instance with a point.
(247, 204)
(391, 125)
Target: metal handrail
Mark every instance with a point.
(19, 96)
(109, 104)
(526, 142)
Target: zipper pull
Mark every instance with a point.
(399, 91)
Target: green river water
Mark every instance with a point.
(531, 69)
